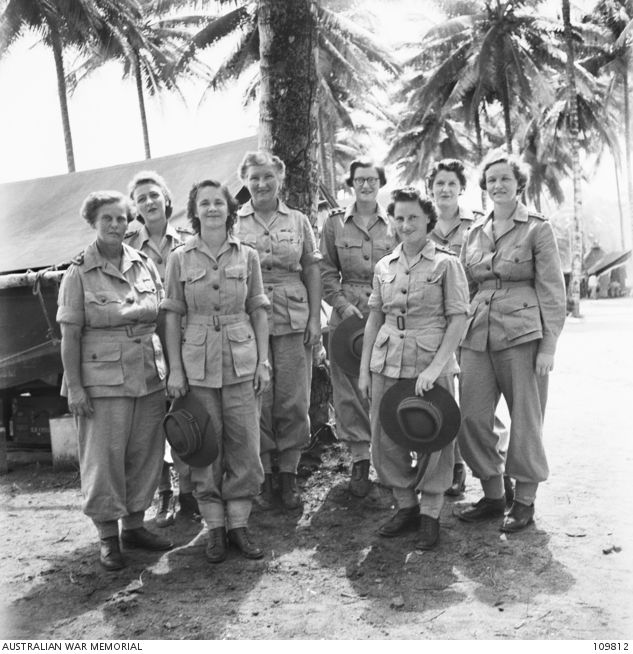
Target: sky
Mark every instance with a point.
(106, 127)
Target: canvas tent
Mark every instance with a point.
(41, 227)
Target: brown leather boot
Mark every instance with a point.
(290, 495)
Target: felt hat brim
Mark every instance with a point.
(179, 432)
(346, 344)
(439, 399)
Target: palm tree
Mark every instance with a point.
(485, 49)
(152, 56)
(63, 24)
(615, 17)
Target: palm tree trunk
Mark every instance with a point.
(628, 145)
(577, 235)
(505, 102)
(289, 89)
(616, 168)
(480, 155)
(141, 104)
(62, 93)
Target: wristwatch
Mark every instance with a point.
(266, 364)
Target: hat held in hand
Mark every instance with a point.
(190, 432)
(347, 344)
(420, 424)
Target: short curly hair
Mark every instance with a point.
(151, 177)
(450, 166)
(412, 194)
(520, 169)
(365, 162)
(193, 198)
(98, 199)
(261, 158)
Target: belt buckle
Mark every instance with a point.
(129, 330)
(498, 283)
(400, 323)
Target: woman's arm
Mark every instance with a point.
(78, 400)
(374, 323)
(177, 380)
(452, 336)
(312, 277)
(259, 320)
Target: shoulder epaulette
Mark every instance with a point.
(178, 245)
(478, 214)
(444, 249)
(336, 210)
(134, 232)
(250, 245)
(184, 230)
(78, 260)
(535, 214)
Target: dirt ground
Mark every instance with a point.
(327, 575)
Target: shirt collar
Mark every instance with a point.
(247, 208)
(380, 212)
(196, 243)
(93, 258)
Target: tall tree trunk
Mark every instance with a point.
(505, 102)
(56, 44)
(577, 227)
(628, 145)
(141, 104)
(288, 124)
(617, 186)
(480, 155)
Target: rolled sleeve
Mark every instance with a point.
(549, 284)
(256, 297)
(71, 299)
(455, 288)
(375, 299)
(174, 299)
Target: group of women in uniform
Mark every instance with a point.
(237, 306)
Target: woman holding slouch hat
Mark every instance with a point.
(113, 377)
(511, 260)
(214, 282)
(418, 312)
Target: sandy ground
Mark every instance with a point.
(327, 575)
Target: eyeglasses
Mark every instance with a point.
(360, 181)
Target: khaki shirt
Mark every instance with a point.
(285, 246)
(216, 296)
(117, 311)
(350, 254)
(532, 306)
(416, 297)
(139, 239)
(453, 240)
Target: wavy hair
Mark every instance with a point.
(412, 194)
(193, 198)
(98, 199)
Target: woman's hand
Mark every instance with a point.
(350, 310)
(364, 385)
(544, 364)
(312, 333)
(426, 380)
(261, 381)
(177, 384)
(79, 403)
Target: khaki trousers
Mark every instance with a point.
(484, 376)
(121, 449)
(393, 462)
(285, 425)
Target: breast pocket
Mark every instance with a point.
(101, 364)
(195, 283)
(236, 285)
(287, 250)
(517, 264)
(387, 286)
(147, 298)
(429, 291)
(350, 254)
(243, 348)
(103, 308)
(194, 352)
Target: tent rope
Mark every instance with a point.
(50, 333)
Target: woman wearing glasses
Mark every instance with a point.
(352, 242)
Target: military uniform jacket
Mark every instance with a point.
(216, 296)
(117, 311)
(453, 240)
(416, 297)
(518, 283)
(140, 240)
(285, 246)
(350, 254)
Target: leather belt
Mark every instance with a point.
(496, 284)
